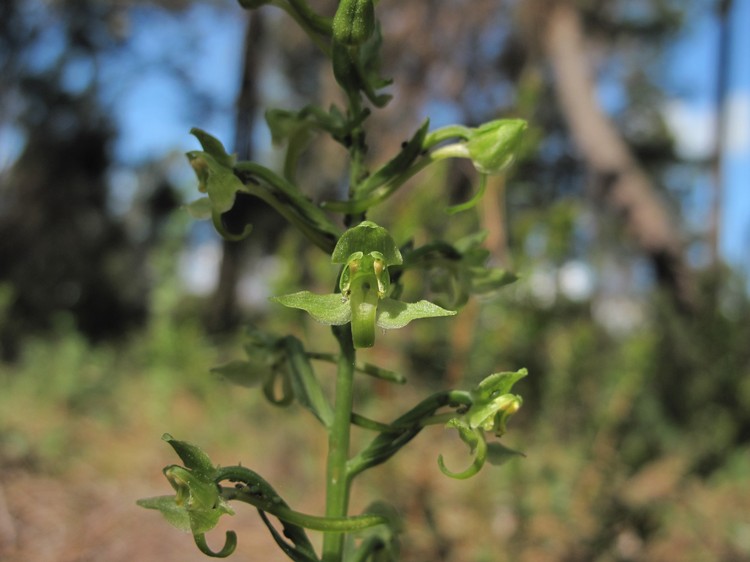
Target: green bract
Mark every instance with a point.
(366, 250)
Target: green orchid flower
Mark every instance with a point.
(197, 504)
(366, 251)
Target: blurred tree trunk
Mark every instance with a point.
(223, 313)
(620, 179)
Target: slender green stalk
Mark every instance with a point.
(327, 524)
(337, 480)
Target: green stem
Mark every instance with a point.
(313, 522)
(446, 133)
(358, 148)
(337, 480)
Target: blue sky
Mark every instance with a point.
(693, 116)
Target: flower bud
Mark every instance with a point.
(492, 146)
(354, 22)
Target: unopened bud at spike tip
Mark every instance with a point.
(492, 147)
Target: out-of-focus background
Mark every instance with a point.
(627, 218)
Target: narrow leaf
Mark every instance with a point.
(307, 389)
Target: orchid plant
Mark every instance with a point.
(371, 265)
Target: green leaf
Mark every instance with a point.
(485, 280)
(396, 314)
(457, 270)
(471, 248)
(242, 373)
(403, 429)
(280, 360)
(286, 198)
(367, 237)
(305, 385)
(330, 309)
(398, 164)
